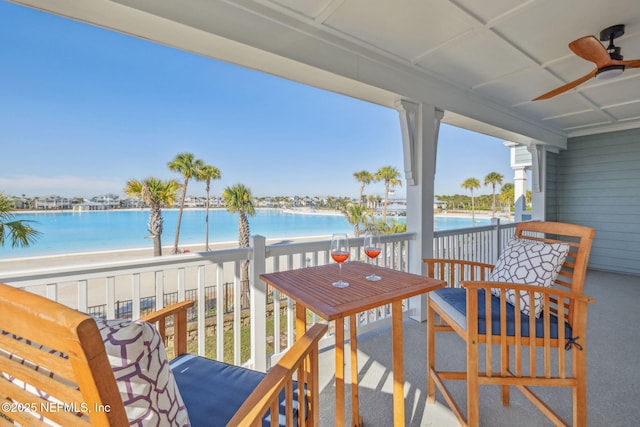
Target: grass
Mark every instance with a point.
(245, 341)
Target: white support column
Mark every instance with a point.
(258, 294)
(519, 191)
(538, 175)
(409, 123)
(420, 127)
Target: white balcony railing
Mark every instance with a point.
(480, 244)
(225, 306)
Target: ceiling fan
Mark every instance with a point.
(609, 62)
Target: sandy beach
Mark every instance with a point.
(74, 259)
(49, 261)
(67, 291)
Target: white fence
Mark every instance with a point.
(82, 287)
(480, 244)
(136, 281)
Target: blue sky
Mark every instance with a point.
(83, 110)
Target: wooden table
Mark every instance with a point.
(311, 289)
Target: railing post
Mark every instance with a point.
(258, 293)
(496, 241)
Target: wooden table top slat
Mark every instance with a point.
(312, 287)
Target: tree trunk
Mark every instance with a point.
(157, 246)
(155, 229)
(206, 221)
(473, 209)
(386, 199)
(244, 235)
(184, 194)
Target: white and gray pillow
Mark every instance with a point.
(531, 263)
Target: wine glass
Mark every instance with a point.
(340, 253)
(372, 248)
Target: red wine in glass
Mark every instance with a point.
(372, 249)
(340, 253)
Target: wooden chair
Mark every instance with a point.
(511, 357)
(60, 352)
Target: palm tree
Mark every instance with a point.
(493, 178)
(155, 193)
(186, 165)
(507, 194)
(239, 199)
(364, 178)
(206, 174)
(471, 184)
(18, 231)
(391, 178)
(356, 215)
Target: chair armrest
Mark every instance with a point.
(302, 358)
(454, 271)
(179, 313)
(526, 288)
(568, 307)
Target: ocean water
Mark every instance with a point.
(75, 232)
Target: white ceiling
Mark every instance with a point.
(480, 61)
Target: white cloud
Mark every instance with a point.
(65, 186)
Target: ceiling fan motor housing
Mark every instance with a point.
(610, 34)
(615, 31)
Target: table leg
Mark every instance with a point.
(398, 364)
(340, 371)
(301, 320)
(356, 420)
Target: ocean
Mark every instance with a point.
(77, 232)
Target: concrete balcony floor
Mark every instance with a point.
(613, 366)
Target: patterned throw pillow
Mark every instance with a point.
(139, 362)
(531, 263)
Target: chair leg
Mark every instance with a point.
(431, 354)
(473, 404)
(580, 389)
(504, 370)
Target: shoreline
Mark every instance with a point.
(18, 265)
(12, 265)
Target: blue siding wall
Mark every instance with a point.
(598, 185)
(551, 187)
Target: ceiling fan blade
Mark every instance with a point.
(591, 49)
(632, 63)
(566, 87)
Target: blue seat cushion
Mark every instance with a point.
(453, 301)
(213, 391)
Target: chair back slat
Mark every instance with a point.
(573, 272)
(63, 358)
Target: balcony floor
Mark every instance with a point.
(613, 362)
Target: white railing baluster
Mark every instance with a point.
(219, 315)
(201, 310)
(52, 291)
(111, 297)
(83, 296)
(159, 289)
(276, 312)
(237, 315)
(291, 318)
(135, 296)
(181, 285)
